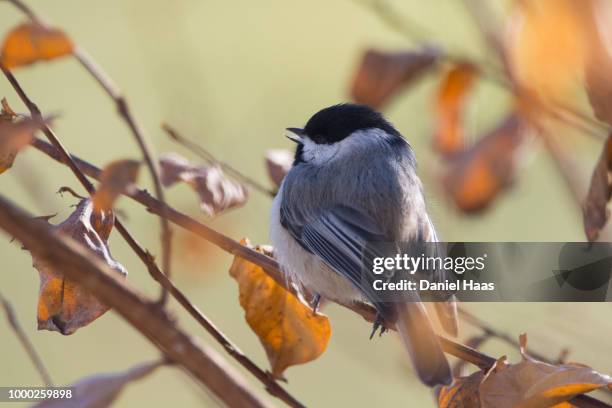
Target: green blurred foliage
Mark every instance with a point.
(233, 75)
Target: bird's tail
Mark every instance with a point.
(419, 339)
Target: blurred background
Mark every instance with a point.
(233, 76)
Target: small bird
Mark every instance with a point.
(353, 182)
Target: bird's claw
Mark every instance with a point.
(315, 303)
(378, 324)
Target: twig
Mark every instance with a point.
(25, 342)
(137, 130)
(210, 158)
(94, 275)
(145, 147)
(569, 171)
(270, 384)
(156, 207)
(482, 15)
(64, 157)
(490, 331)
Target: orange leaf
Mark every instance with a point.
(476, 176)
(463, 392)
(63, 305)
(449, 106)
(594, 209)
(116, 177)
(30, 42)
(288, 329)
(381, 75)
(547, 44)
(532, 383)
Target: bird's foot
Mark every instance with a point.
(378, 324)
(315, 303)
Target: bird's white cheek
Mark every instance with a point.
(320, 153)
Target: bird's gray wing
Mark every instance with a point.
(342, 237)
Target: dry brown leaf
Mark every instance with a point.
(217, 192)
(546, 44)
(476, 176)
(463, 392)
(14, 136)
(172, 166)
(449, 105)
(30, 42)
(594, 208)
(116, 178)
(101, 390)
(288, 329)
(7, 113)
(382, 74)
(63, 305)
(278, 163)
(533, 384)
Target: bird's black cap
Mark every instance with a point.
(335, 123)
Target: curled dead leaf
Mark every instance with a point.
(101, 390)
(31, 42)
(594, 208)
(116, 178)
(463, 392)
(474, 178)
(449, 106)
(172, 166)
(7, 113)
(288, 329)
(217, 192)
(382, 74)
(532, 383)
(63, 305)
(278, 163)
(14, 136)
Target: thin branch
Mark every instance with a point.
(270, 384)
(60, 154)
(25, 342)
(269, 265)
(566, 166)
(145, 147)
(210, 158)
(76, 262)
(64, 157)
(156, 207)
(137, 130)
(490, 331)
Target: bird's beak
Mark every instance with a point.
(295, 134)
